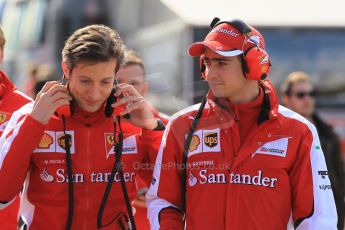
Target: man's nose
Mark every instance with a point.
(94, 93)
(211, 71)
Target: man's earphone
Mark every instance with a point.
(255, 61)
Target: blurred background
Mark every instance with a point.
(300, 35)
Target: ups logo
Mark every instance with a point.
(61, 141)
(211, 139)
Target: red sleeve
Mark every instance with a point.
(170, 174)
(164, 196)
(15, 156)
(150, 142)
(313, 204)
(301, 181)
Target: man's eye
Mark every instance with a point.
(222, 63)
(134, 83)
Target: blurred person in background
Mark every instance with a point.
(39, 85)
(31, 79)
(133, 73)
(36, 72)
(298, 94)
(10, 100)
(43, 78)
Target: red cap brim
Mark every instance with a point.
(198, 49)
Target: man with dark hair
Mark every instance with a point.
(10, 100)
(71, 143)
(239, 160)
(298, 94)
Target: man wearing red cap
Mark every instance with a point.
(239, 160)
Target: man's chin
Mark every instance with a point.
(90, 109)
(218, 94)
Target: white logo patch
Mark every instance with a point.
(205, 141)
(274, 148)
(55, 142)
(129, 146)
(60, 144)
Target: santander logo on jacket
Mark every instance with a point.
(233, 178)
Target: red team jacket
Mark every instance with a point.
(143, 181)
(34, 153)
(277, 177)
(11, 100)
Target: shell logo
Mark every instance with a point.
(46, 141)
(2, 117)
(194, 143)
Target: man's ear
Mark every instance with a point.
(65, 69)
(1, 55)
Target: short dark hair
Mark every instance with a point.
(94, 43)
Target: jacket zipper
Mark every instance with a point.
(87, 173)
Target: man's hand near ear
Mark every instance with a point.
(52, 96)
